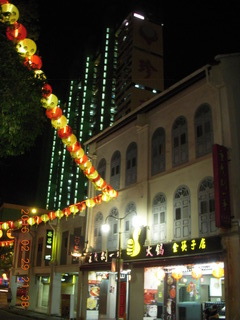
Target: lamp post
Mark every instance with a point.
(105, 229)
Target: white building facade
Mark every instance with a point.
(174, 161)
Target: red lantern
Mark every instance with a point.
(3, 1)
(38, 220)
(64, 132)
(52, 215)
(33, 62)
(81, 160)
(81, 206)
(67, 212)
(46, 90)
(11, 224)
(16, 32)
(54, 113)
(89, 170)
(98, 199)
(74, 147)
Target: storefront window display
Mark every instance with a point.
(182, 291)
(102, 294)
(94, 286)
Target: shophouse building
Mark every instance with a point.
(174, 161)
(45, 272)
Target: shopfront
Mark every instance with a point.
(183, 291)
(172, 281)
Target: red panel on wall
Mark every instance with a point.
(221, 187)
(122, 300)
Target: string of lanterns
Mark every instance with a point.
(196, 272)
(26, 48)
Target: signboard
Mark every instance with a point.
(188, 247)
(221, 187)
(49, 243)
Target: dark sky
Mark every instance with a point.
(194, 32)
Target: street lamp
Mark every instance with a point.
(105, 228)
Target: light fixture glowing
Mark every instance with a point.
(139, 16)
(76, 254)
(105, 227)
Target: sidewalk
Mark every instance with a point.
(30, 314)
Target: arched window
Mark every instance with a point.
(179, 141)
(182, 213)
(128, 223)
(115, 170)
(158, 151)
(112, 240)
(159, 218)
(101, 168)
(97, 231)
(131, 164)
(203, 130)
(206, 207)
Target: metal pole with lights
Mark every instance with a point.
(105, 229)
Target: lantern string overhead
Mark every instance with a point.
(26, 48)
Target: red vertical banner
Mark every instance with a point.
(221, 187)
(122, 299)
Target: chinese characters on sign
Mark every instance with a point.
(49, 244)
(147, 68)
(49, 239)
(163, 250)
(221, 187)
(189, 245)
(184, 246)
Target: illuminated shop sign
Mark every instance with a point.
(49, 244)
(163, 250)
(49, 239)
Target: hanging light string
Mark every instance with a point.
(26, 48)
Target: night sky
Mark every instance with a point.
(194, 33)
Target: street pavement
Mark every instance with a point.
(21, 312)
(27, 314)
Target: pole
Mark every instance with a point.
(119, 270)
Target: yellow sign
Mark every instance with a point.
(133, 245)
